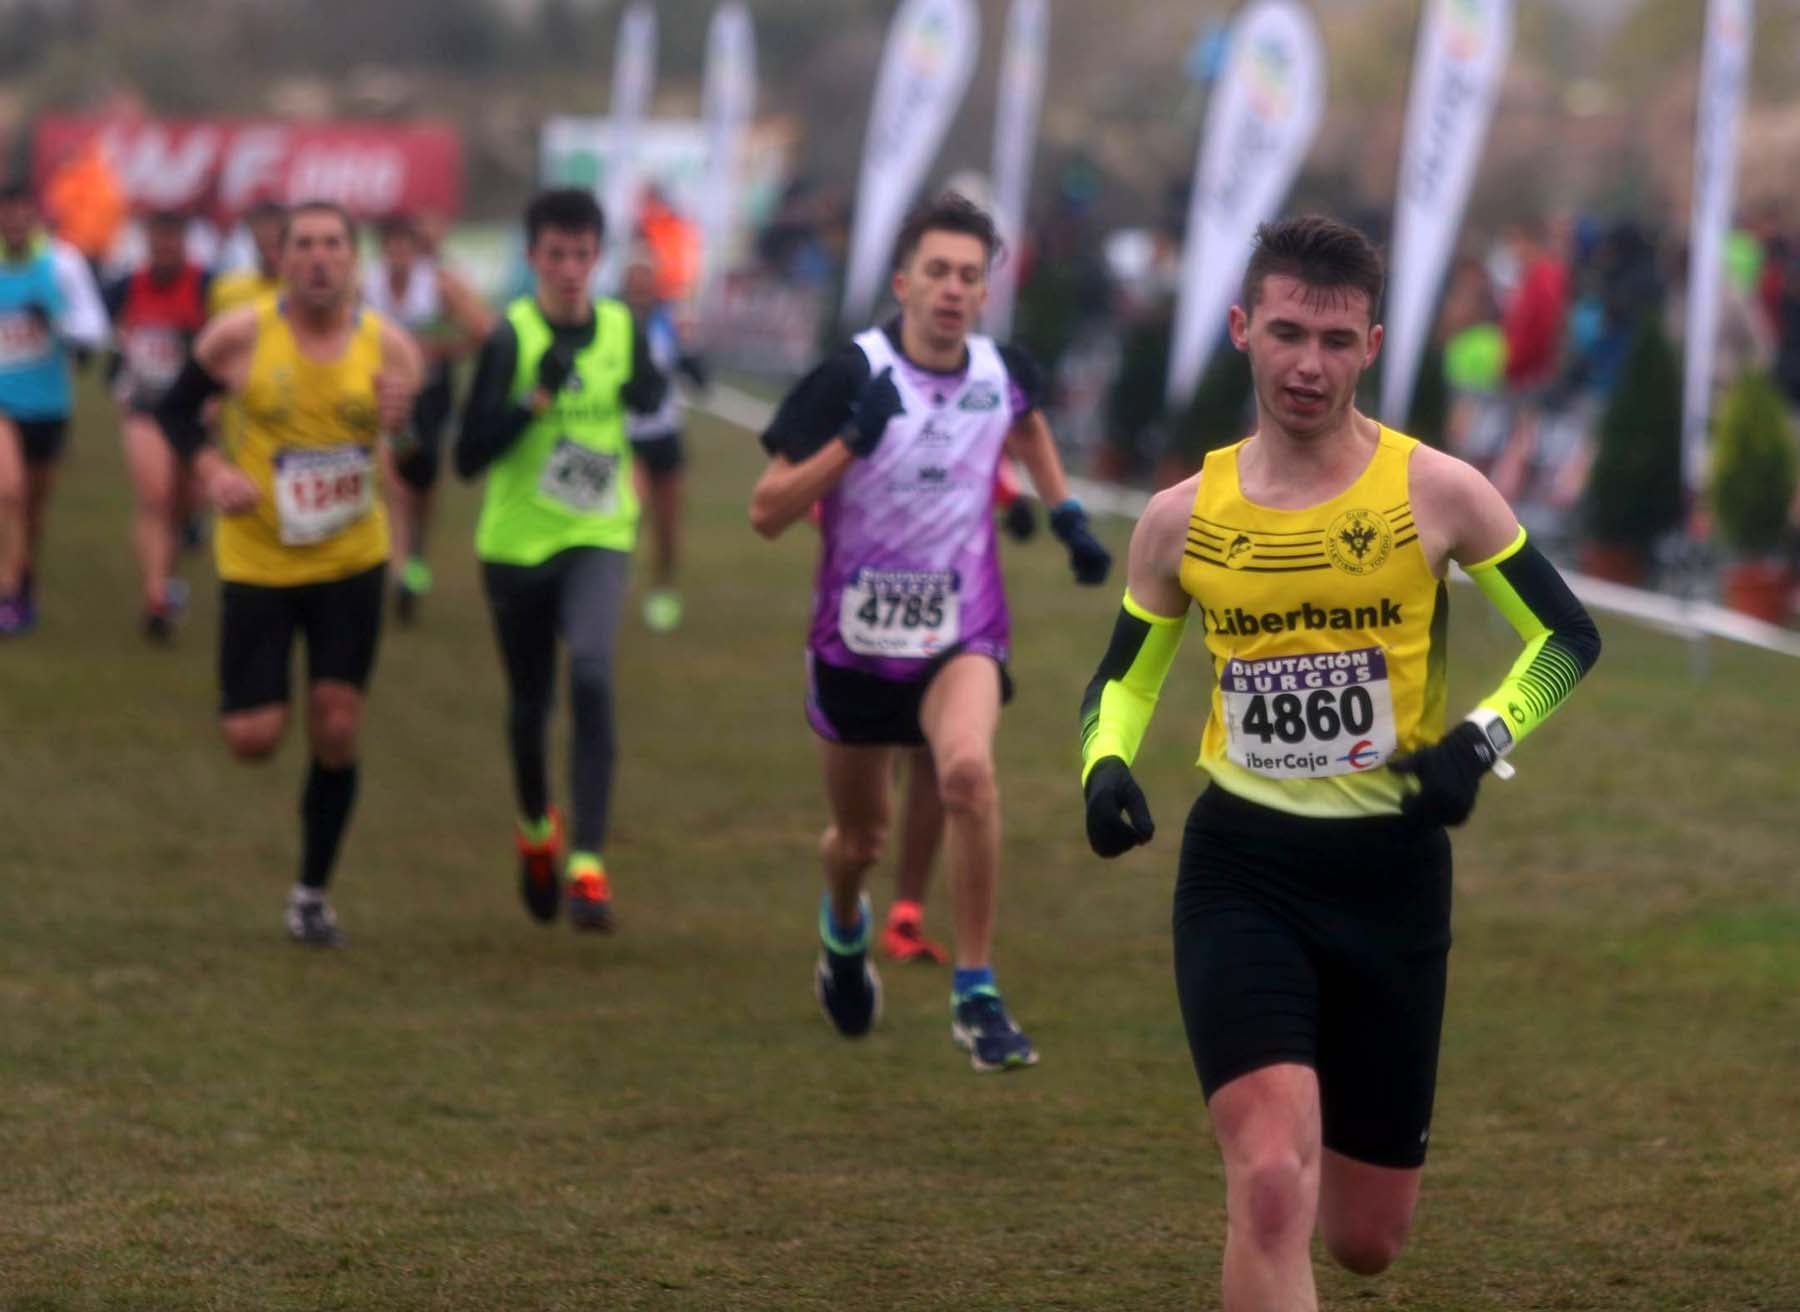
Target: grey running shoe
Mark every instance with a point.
(311, 921)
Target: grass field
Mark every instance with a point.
(464, 1110)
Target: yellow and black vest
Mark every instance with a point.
(307, 432)
(1326, 628)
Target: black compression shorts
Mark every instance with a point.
(430, 416)
(341, 621)
(41, 441)
(660, 456)
(1324, 943)
(866, 710)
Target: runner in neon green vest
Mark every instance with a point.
(546, 421)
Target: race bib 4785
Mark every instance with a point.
(1309, 716)
(899, 612)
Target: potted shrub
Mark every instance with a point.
(1753, 473)
(1634, 493)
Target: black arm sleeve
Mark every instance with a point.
(649, 386)
(1027, 377)
(818, 408)
(113, 297)
(178, 413)
(491, 422)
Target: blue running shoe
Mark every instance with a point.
(979, 1024)
(845, 981)
(17, 616)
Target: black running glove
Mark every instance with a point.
(1449, 771)
(878, 402)
(554, 367)
(698, 372)
(1118, 816)
(1087, 557)
(1020, 520)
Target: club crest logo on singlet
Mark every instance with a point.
(1359, 541)
(981, 396)
(358, 416)
(1239, 551)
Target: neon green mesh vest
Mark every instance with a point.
(566, 482)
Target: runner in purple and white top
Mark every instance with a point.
(897, 437)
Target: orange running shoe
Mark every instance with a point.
(538, 882)
(590, 898)
(904, 938)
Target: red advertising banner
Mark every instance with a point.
(225, 165)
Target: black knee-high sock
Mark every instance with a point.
(324, 811)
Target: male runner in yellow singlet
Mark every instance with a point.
(1312, 906)
(267, 222)
(302, 540)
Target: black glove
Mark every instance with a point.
(698, 372)
(40, 317)
(554, 367)
(1449, 771)
(1087, 557)
(1118, 816)
(1020, 520)
(878, 402)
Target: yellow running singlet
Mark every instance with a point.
(1326, 628)
(227, 291)
(308, 436)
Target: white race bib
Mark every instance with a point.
(321, 491)
(22, 339)
(153, 356)
(899, 612)
(1310, 716)
(581, 479)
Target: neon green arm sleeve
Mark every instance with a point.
(1561, 642)
(1121, 696)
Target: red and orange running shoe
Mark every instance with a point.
(590, 895)
(904, 938)
(539, 885)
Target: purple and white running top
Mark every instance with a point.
(908, 567)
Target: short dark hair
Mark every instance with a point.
(1323, 253)
(398, 224)
(17, 189)
(950, 211)
(266, 209)
(567, 209)
(166, 218)
(321, 207)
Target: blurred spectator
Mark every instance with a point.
(1536, 314)
(673, 244)
(85, 204)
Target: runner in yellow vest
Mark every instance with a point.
(301, 541)
(546, 420)
(1312, 905)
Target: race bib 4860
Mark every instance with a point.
(1310, 716)
(321, 491)
(897, 612)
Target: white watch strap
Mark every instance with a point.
(1499, 736)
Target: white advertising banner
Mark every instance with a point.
(634, 74)
(1724, 73)
(1457, 72)
(1264, 113)
(1021, 97)
(728, 99)
(925, 70)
